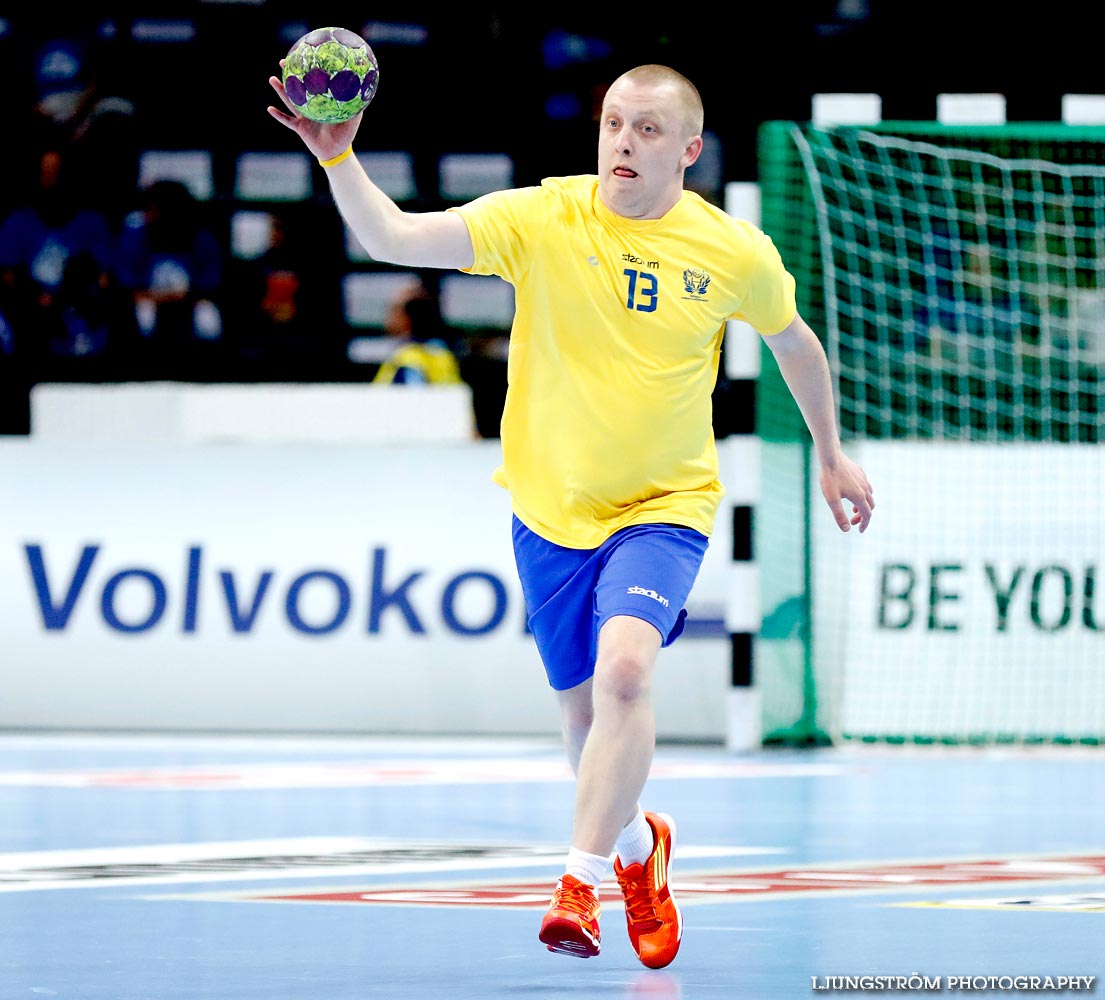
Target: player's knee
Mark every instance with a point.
(577, 712)
(623, 677)
(576, 719)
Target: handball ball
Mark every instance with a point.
(330, 74)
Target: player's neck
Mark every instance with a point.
(642, 212)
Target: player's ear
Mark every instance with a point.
(692, 151)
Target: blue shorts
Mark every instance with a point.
(645, 570)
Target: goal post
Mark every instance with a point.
(957, 276)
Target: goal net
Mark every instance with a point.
(957, 276)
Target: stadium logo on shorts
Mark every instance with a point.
(649, 593)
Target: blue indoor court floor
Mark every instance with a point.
(268, 868)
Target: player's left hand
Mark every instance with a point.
(842, 481)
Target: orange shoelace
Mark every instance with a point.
(576, 898)
(641, 903)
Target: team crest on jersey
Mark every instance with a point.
(695, 282)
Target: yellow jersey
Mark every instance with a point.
(614, 352)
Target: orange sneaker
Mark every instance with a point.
(571, 926)
(651, 914)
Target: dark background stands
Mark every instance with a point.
(85, 242)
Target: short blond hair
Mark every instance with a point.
(655, 75)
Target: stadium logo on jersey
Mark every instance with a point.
(649, 593)
(696, 282)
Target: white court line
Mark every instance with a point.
(415, 771)
(276, 742)
(267, 860)
(205, 851)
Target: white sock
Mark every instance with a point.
(588, 868)
(636, 841)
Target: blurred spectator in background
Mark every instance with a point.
(76, 94)
(59, 299)
(283, 320)
(171, 262)
(422, 353)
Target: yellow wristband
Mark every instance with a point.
(335, 160)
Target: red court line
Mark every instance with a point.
(744, 884)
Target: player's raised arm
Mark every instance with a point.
(387, 233)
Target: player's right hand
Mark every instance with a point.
(323, 140)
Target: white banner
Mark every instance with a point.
(973, 604)
(304, 588)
